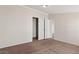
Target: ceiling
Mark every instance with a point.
(54, 9)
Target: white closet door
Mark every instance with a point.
(47, 28)
(41, 29)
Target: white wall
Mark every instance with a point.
(67, 28)
(16, 25)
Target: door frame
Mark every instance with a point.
(37, 26)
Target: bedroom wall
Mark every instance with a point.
(16, 25)
(67, 27)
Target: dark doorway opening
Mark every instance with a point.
(35, 28)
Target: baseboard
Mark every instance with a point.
(67, 42)
(22, 43)
(15, 45)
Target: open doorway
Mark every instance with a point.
(35, 28)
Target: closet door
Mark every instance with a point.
(47, 28)
(41, 29)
